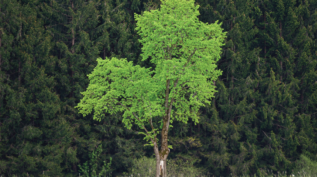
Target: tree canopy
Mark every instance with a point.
(184, 51)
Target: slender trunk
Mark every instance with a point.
(161, 155)
(160, 162)
(161, 159)
(157, 156)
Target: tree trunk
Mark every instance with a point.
(161, 157)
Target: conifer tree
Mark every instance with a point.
(30, 102)
(243, 101)
(100, 28)
(280, 102)
(305, 73)
(71, 24)
(10, 20)
(224, 149)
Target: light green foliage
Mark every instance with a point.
(184, 50)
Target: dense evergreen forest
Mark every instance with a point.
(263, 117)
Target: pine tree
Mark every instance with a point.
(225, 147)
(29, 100)
(91, 29)
(72, 23)
(10, 20)
(305, 72)
(276, 105)
(254, 101)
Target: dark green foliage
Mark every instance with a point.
(252, 121)
(84, 30)
(28, 102)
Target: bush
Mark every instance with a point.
(90, 170)
(305, 167)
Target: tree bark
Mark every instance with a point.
(161, 157)
(163, 154)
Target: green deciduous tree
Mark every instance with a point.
(184, 52)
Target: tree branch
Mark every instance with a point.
(150, 120)
(191, 55)
(170, 106)
(138, 120)
(167, 95)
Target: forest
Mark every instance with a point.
(261, 121)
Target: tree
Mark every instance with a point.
(184, 52)
(71, 24)
(27, 102)
(225, 150)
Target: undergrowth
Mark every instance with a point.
(145, 167)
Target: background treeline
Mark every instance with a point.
(264, 115)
